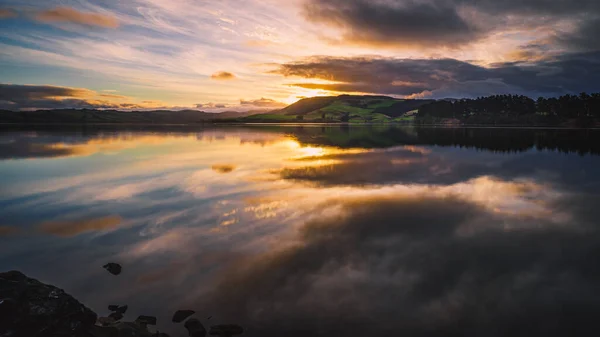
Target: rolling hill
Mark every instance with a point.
(344, 108)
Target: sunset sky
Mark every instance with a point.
(256, 54)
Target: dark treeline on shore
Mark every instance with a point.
(509, 109)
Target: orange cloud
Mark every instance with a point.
(114, 96)
(223, 75)
(223, 168)
(6, 13)
(70, 15)
(71, 228)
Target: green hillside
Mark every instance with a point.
(344, 108)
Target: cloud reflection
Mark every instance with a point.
(69, 228)
(313, 233)
(400, 264)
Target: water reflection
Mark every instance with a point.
(302, 231)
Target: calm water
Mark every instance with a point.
(301, 231)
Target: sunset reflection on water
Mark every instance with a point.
(296, 228)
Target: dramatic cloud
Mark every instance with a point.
(222, 75)
(418, 265)
(569, 73)
(73, 16)
(396, 23)
(19, 97)
(449, 23)
(263, 103)
(6, 13)
(76, 227)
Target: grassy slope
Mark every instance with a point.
(354, 109)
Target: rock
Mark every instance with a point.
(106, 321)
(113, 268)
(181, 315)
(226, 330)
(32, 308)
(117, 316)
(116, 308)
(195, 328)
(101, 331)
(147, 320)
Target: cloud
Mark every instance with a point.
(400, 23)
(73, 16)
(263, 103)
(21, 97)
(211, 105)
(223, 168)
(446, 23)
(411, 265)
(75, 227)
(568, 73)
(116, 96)
(6, 13)
(223, 75)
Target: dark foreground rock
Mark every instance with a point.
(195, 328)
(30, 308)
(181, 315)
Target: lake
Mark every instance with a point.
(313, 230)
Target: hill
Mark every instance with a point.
(89, 116)
(344, 108)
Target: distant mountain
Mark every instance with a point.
(85, 116)
(345, 108)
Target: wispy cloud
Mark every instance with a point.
(73, 16)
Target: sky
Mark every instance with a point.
(265, 54)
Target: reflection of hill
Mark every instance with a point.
(343, 136)
(498, 140)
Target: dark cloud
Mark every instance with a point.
(72, 16)
(569, 73)
(399, 23)
(585, 38)
(405, 266)
(223, 75)
(450, 23)
(19, 97)
(263, 103)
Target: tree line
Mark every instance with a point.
(564, 107)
